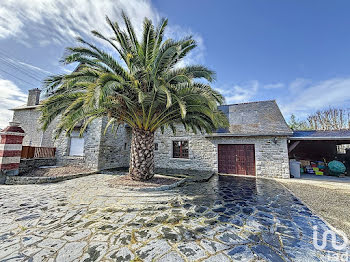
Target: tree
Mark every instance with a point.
(296, 124)
(327, 119)
(143, 87)
(330, 119)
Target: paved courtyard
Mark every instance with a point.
(225, 219)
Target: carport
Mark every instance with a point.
(320, 146)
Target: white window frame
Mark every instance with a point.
(80, 141)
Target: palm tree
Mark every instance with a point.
(143, 87)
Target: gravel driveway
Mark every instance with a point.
(225, 219)
(329, 199)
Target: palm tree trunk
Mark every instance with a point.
(142, 155)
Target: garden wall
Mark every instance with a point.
(28, 164)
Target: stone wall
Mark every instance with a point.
(271, 159)
(90, 159)
(92, 143)
(202, 155)
(101, 151)
(115, 147)
(105, 151)
(28, 164)
(29, 121)
(62, 149)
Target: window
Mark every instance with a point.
(125, 146)
(180, 149)
(155, 146)
(76, 147)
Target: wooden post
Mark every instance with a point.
(11, 148)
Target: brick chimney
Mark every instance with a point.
(33, 97)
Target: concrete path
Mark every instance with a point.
(225, 219)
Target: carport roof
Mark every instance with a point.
(321, 135)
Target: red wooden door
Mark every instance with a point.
(227, 159)
(236, 159)
(250, 157)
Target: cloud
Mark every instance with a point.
(274, 86)
(298, 85)
(47, 22)
(306, 96)
(10, 23)
(240, 93)
(10, 96)
(61, 21)
(300, 97)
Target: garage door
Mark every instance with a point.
(236, 159)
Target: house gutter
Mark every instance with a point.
(244, 135)
(320, 138)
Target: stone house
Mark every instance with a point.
(255, 144)
(28, 116)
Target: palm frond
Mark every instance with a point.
(139, 84)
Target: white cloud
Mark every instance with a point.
(58, 22)
(306, 96)
(274, 86)
(61, 21)
(298, 85)
(240, 93)
(300, 97)
(10, 96)
(10, 23)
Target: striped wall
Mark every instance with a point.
(11, 139)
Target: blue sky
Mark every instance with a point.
(297, 52)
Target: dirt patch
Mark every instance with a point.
(156, 181)
(56, 171)
(328, 200)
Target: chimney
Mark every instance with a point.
(33, 97)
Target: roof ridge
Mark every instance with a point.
(252, 102)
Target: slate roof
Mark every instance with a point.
(262, 118)
(321, 135)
